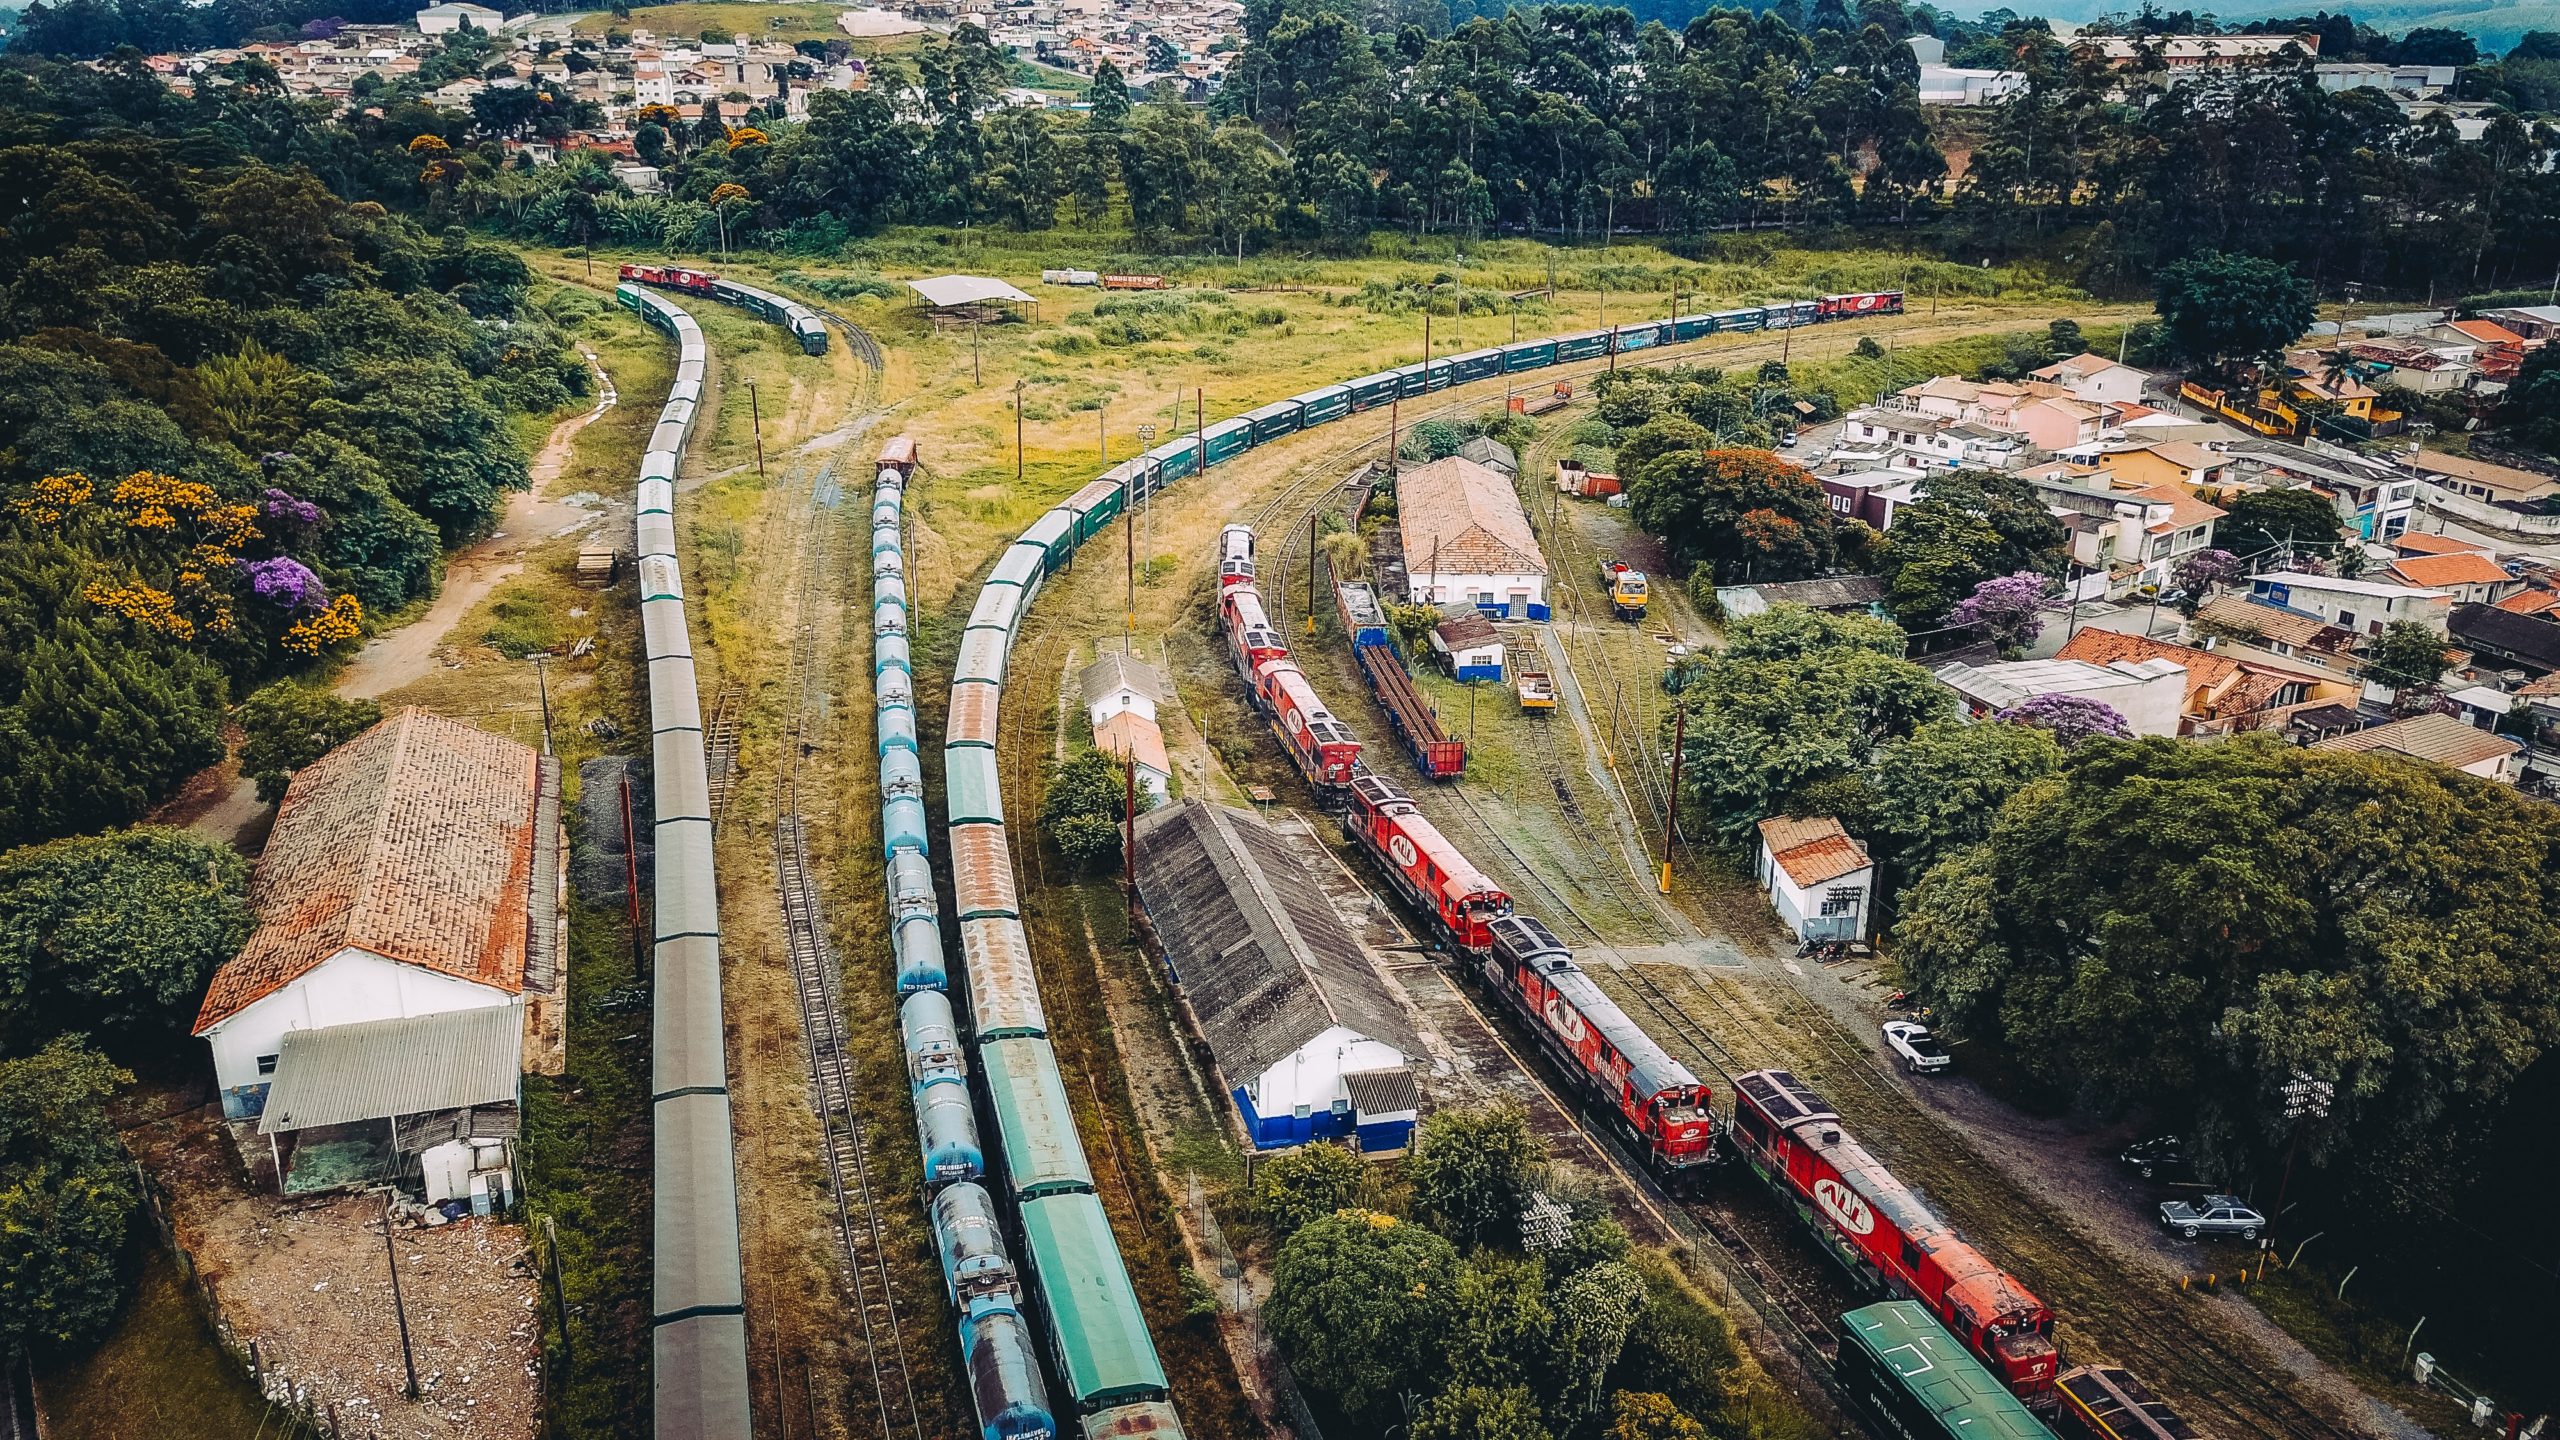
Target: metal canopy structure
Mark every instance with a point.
(966, 295)
(343, 1074)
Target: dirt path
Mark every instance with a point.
(222, 804)
(399, 657)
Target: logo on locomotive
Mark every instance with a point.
(1844, 1205)
(1403, 850)
(1563, 1019)
(1297, 723)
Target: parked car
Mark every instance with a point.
(2162, 1158)
(2213, 1215)
(1920, 1051)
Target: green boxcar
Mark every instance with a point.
(1042, 1155)
(1589, 345)
(1371, 391)
(976, 796)
(1328, 404)
(1474, 365)
(1228, 439)
(1528, 355)
(1054, 532)
(1095, 506)
(1740, 319)
(1901, 1366)
(1692, 327)
(628, 296)
(1097, 1333)
(1280, 417)
(1175, 460)
(1410, 380)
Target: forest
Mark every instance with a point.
(244, 417)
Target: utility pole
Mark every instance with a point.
(1671, 808)
(1426, 345)
(542, 683)
(398, 1309)
(1395, 406)
(1613, 349)
(977, 376)
(755, 417)
(1102, 435)
(1017, 431)
(1129, 804)
(1313, 531)
(1199, 426)
(1129, 565)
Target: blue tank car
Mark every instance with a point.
(947, 1129)
(1004, 1377)
(901, 801)
(970, 1237)
(931, 1037)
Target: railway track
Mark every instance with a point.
(857, 341)
(817, 981)
(720, 750)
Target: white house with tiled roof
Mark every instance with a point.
(1818, 876)
(413, 871)
(1467, 541)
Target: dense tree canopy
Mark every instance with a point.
(1968, 527)
(288, 724)
(2188, 926)
(2266, 527)
(67, 1199)
(2223, 308)
(116, 932)
(1358, 1298)
(1744, 514)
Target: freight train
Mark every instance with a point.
(697, 1306)
(1884, 1234)
(800, 320)
(1071, 1271)
(1903, 1371)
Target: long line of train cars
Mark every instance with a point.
(800, 320)
(698, 1318)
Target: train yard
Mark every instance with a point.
(1663, 1018)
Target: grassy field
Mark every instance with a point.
(160, 1372)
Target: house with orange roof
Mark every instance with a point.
(1468, 542)
(2226, 694)
(2498, 352)
(2428, 542)
(414, 871)
(2095, 377)
(2470, 576)
(2544, 603)
(1130, 736)
(1818, 877)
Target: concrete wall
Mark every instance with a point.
(348, 988)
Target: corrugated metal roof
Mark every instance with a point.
(344, 1073)
(966, 290)
(1101, 1332)
(1266, 964)
(1906, 1342)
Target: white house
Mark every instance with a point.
(446, 19)
(2095, 377)
(1466, 541)
(2149, 694)
(1310, 1040)
(1818, 877)
(1933, 441)
(1118, 681)
(1469, 646)
(2362, 606)
(413, 871)
(1130, 736)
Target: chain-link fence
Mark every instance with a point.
(1236, 1296)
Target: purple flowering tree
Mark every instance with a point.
(286, 583)
(2007, 608)
(283, 508)
(2200, 573)
(2070, 719)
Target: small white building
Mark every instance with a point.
(1118, 681)
(1469, 646)
(1951, 85)
(2149, 694)
(1818, 877)
(1132, 737)
(1931, 441)
(1467, 541)
(413, 871)
(2095, 377)
(2362, 606)
(449, 18)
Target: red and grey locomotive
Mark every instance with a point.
(1849, 307)
(1461, 900)
(1235, 556)
(671, 277)
(1322, 747)
(1887, 1236)
(1657, 1102)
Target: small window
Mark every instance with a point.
(267, 1064)
(1302, 1112)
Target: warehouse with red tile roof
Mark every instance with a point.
(1467, 541)
(412, 871)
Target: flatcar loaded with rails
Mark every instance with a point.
(1077, 1285)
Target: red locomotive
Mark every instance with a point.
(1431, 872)
(672, 277)
(1235, 556)
(1884, 1233)
(1324, 749)
(1661, 1106)
(1252, 639)
(1849, 307)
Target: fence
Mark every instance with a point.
(2472, 512)
(1237, 1297)
(262, 1356)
